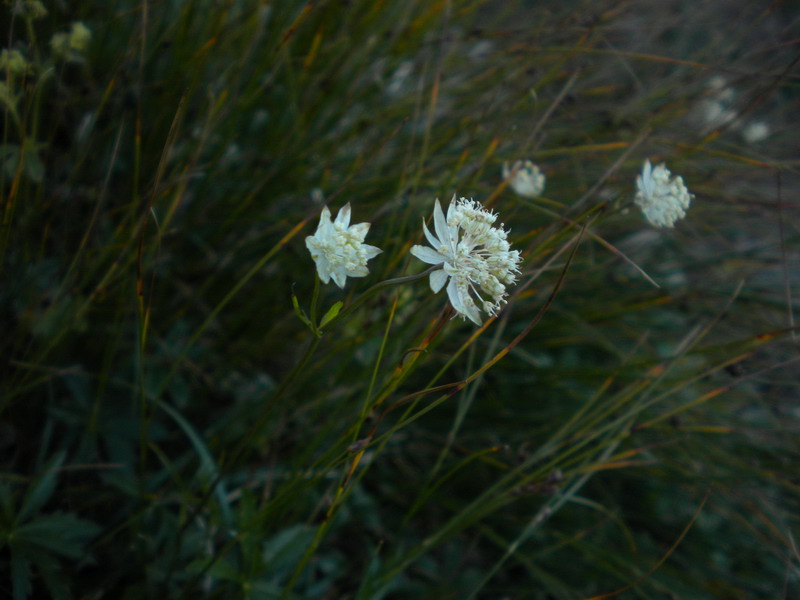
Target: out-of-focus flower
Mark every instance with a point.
(662, 198)
(525, 178)
(13, 63)
(719, 109)
(79, 37)
(30, 9)
(338, 249)
(317, 195)
(716, 110)
(71, 46)
(755, 132)
(475, 257)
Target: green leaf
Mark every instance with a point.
(331, 314)
(53, 576)
(20, 576)
(8, 99)
(300, 312)
(207, 465)
(282, 552)
(34, 167)
(6, 502)
(9, 157)
(62, 534)
(42, 488)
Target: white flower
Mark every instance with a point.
(755, 132)
(473, 255)
(716, 110)
(663, 200)
(338, 249)
(525, 178)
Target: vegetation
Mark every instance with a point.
(626, 426)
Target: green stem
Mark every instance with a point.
(314, 303)
(312, 347)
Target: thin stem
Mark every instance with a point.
(379, 286)
(314, 303)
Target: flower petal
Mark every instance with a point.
(440, 223)
(451, 209)
(343, 218)
(358, 271)
(430, 237)
(438, 279)
(323, 268)
(467, 309)
(360, 231)
(325, 228)
(647, 185)
(455, 297)
(428, 255)
(324, 220)
(371, 251)
(473, 314)
(339, 277)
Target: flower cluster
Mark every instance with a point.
(471, 256)
(662, 198)
(13, 62)
(338, 249)
(719, 109)
(71, 46)
(30, 9)
(475, 257)
(525, 178)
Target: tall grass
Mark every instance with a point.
(170, 428)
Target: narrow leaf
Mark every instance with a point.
(42, 488)
(331, 314)
(299, 311)
(21, 576)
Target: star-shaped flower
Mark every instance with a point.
(475, 257)
(338, 249)
(663, 199)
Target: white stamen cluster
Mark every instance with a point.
(338, 249)
(525, 178)
(662, 198)
(475, 257)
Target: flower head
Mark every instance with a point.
(525, 178)
(30, 9)
(662, 198)
(755, 132)
(14, 62)
(72, 45)
(338, 249)
(475, 256)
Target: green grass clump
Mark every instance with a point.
(170, 428)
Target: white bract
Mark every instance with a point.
(662, 198)
(338, 249)
(525, 178)
(475, 256)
